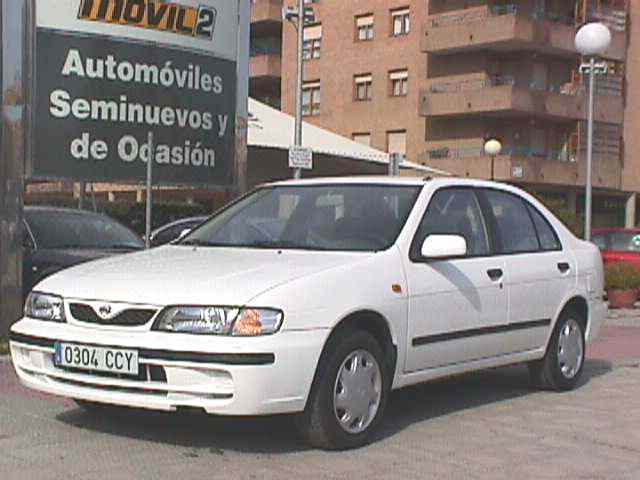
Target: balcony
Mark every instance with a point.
(481, 95)
(266, 66)
(269, 11)
(505, 29)
(522, 165)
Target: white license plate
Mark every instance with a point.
(102, 359)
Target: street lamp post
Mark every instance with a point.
(592, 40)
(297, 172)
(492, 148)
(301, 16)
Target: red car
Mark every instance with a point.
(618, 245)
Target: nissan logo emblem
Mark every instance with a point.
(104, 310)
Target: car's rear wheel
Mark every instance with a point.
(349, 394)
(561, 367)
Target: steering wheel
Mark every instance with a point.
(263, 233)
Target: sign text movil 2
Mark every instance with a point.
(152, 14)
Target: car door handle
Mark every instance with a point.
(495, 274)
(564, 267)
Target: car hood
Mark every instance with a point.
(173, 275)
(72, 256)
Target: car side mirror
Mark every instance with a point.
(444, 246)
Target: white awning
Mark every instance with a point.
(271, 128)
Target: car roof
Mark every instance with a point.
(51, 209)
(389, 180)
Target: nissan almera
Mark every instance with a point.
(318, 297)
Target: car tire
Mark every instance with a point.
(562, 365)
(325, 423)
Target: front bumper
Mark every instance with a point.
(222, 375)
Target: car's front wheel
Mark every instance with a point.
(349, 394)
(562, 365)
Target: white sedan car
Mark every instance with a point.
(319, 297)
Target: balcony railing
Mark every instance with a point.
(482, 13)
(611, 85)
(520, 151)
(471, 84)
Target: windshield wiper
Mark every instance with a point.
(124, 246)
(72, 246)
(196, 242)
(275, 244)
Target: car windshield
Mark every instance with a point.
(77, 230)
(625, 241)
(314, 217)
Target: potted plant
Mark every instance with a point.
(622, 281)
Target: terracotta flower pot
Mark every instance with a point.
(622, 298)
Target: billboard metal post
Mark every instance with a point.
(13, 20)
(149, 205)
(242, 92)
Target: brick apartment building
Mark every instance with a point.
(433, 79)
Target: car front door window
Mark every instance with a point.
(456, 212)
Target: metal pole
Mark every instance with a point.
(394, 164)
(297, 172)
(81, 194)
(587, 202)
(16, 34)
(150, 160)
(242, 93)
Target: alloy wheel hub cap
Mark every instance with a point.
(357, 391)
(570, 349)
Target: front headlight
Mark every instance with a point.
(213, 320)
(44, 306)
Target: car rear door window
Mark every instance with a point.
(547, 236)
(454, 211)
(513, 223)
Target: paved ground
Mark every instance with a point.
(482, 426)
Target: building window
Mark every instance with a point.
(363, 84)
(311, 98)
(400, 22)
(363, 138)
(312, 42)
(399, 82)
(397, 142)
(364, 28)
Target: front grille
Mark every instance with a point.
(131, 317)
(142, 375)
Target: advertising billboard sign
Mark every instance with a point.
(108, 72)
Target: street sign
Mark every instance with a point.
(517, 171)
(300, 157)
(109, 72)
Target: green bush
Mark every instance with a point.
(621, 276)
(4, 346)
(133, 214)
